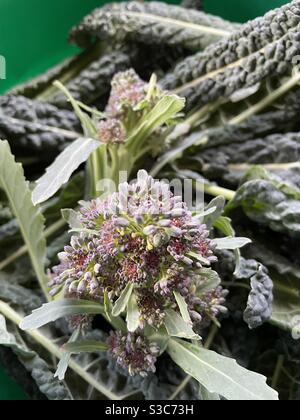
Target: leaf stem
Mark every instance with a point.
(180, 388)
(215, 191)
(45, 342)
(268, 166)
(279, 366)
(268, 100)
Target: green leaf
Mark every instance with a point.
(156, 23)
(108, 307)
(208, 396)
(53, 311)
(267, 204)
(133, 314)
(198, 257)
(159, 337)
(167, 107)
(260, 300)
(123, 300)
(218, 203)
(63, 364)
(30, 219)
(37, 367)
(14, 293)
(117, 322)
(177, 327)
(183, 307)
(219, 374)
(259, 172)
(223, 224)
(62, 168)
(85, 347)
(72, 218)
(231, 242)
(36, 129)
(222, 65)
(212, 280)
(86, 122)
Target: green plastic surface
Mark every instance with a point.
(33, 37)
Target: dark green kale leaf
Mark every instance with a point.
(259, 305)
(151, 23)
(235, 68)
(37, 85)
(217, 131)
(94, 80)
(68, 197)
(9, 232)
(269, 204)
(32, 126)
(20, 296)
(275, 148)
(38, 368)
(230, 162)
(271, 254)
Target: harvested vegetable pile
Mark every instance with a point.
(143, 293)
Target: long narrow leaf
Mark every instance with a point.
(62, 168)
(231, 242)
(123, 300)
(152, 23)
(85, 347)
(30, 219)
(52, 311)
(133, 314)
(177, 327)
(63, 364)
(219, 374)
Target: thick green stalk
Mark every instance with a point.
(215, 191)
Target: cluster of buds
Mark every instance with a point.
(133, 352)
(130, 98)
(127, 91)
(111, 130)
(145, 236)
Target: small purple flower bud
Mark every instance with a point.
(133, 352)
(165, 223)
(54, 291)
(174, 231)
(122, 222)
(152, 252)
(149, 230)
(73, 287)
(158, 240)
(97, 268)
(187, 261)
(178, 212)
(88, 276)
(82, 286)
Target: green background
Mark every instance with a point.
(33, 38)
